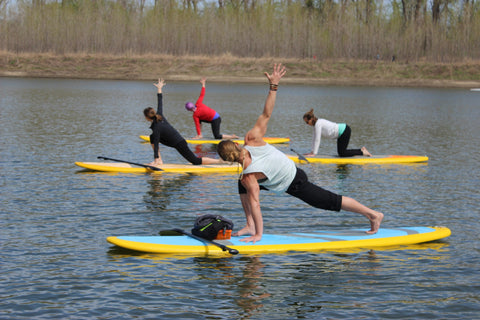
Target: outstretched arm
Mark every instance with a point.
(256, 134)
(159, 86)
(199, 102)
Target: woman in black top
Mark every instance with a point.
(164, 133)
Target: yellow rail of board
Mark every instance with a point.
(202, 249)
(382, 159)
(271, 140)
(177, 168)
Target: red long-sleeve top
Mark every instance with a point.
(203, 112)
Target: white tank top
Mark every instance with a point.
(274, 164)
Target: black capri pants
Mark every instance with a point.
(216, 127)
(308, 192)
(184, 150)
(342, 144)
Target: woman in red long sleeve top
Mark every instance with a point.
(203, 113)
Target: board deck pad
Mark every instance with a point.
(377, 159)
(271, 140)
(278, 243)
(174, 168)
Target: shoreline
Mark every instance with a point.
(227, 68)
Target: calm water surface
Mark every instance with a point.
(54, 217)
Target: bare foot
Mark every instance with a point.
(229, 136)
(375, 223)
(365, 152)
(253, 239)
(244, 231)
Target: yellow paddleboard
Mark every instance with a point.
(178, 168)
(271, 140)
(383, 159)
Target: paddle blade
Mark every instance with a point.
(134, 163)
(170, 233)
(301, 157)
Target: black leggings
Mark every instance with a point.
(184, 150)
(306, 191)
(342, 144)
(216, 127)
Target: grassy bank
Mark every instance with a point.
(234, 69)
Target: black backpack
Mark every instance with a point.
(208, 226)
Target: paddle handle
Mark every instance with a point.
(134, 163)
(221, 246)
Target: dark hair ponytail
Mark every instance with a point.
(309, 116)
(150, 113)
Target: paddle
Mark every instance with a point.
(300, 156)
(134, 163)
(176, 231)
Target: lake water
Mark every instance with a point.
(54, 218)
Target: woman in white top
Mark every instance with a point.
(265, 167)
(332, 130)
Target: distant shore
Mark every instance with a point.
(227, 68)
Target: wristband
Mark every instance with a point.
(273, 87)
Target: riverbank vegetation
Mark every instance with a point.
(406, 30)
(369, 39)
(231, 68)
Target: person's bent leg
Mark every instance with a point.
(342, 144)
(216, 130)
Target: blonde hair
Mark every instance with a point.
(228, 151)
(309, 116)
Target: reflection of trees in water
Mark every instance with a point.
(164, 189)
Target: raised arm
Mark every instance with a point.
(256, 134)
(199, 102)
(159, 86)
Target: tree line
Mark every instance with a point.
(410, 30)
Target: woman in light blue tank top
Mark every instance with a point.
(265, 167)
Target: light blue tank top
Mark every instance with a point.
(274, 164)
(341, 128)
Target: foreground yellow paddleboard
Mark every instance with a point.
(384, 159)
(277, 243)
(271, 140)
(180, 168)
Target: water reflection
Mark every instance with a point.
(299, 284)
(162, 190)
(251, 293)
(63, 218)
(205, 150)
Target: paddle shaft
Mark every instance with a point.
(300, 156)
(221, 246)
(134, 163)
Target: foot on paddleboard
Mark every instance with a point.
(365, 152)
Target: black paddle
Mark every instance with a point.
(301, 157)
(134, 163)
(177, 231)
